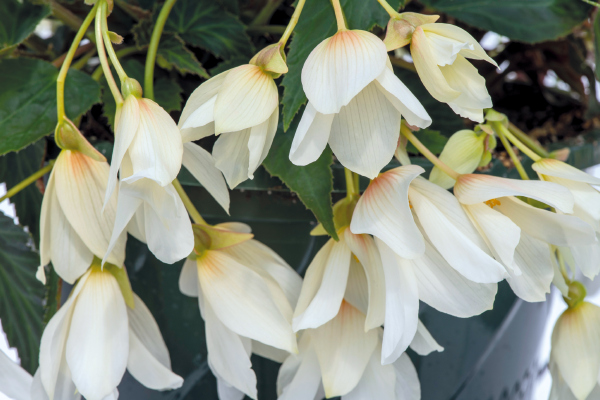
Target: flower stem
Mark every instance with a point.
(264, 16)
(520, 145)
(510, 151)
(523, 137)
(189, 206)
(352, 189)
(339, 15)
(428, 154)
(592, 3)
(62, 75)
(108, 44)
(104, 61)
(292, 24)
(153, 48)
(97, 74)
(390, 10)
(28, 181)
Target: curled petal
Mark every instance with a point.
(559, 169)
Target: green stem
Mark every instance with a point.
(97, 74)
(523, 137)
(62, 75)
(520, 145)
(592, 3)
(339, 15)
(561, 264)
(189, 206)
(153, 48)
(510, 151)
(428, 154)
(108, 44)
(292, 24)
(264, 16)
(390, 10)
(104, 61)
(27, 181)
(351, 187)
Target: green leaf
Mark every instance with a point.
(168, 94)
(528, 21)
(15, 167)
(228, 64)
(313, 183)
(433, 140)
(206, 24)
(173, 53)
(312, 30)
(20, 293)
(18, 20)
(28, 100)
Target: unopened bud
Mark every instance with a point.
(68, 137)
(271, 59)
(130, 86)
(401, 28)
(494, 116)
(576, 295)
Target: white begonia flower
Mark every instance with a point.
(518, 234)
(575, 353)
(94, 337)
(341, 359)
(73, 229)
(587, 206)
(440, 53)
(355, 103)
(15, 382)
(246, 294)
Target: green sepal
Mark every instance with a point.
(212, 238)
(576, 295)
(120, 275)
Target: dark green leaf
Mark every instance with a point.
(28, 100)
(167, 93)
(528, 21)
(18, 20)
(20, 293)
(206, 24)
(228, 64)
(313, 183)
(433, 140)
(15, 167)
(312, 30)
(173, 53)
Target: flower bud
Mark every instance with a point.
(68, 137)
(576, 295)
(131, 86)
(495, 116)
(271, 59)
(400, 29)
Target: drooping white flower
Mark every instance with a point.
(246, 293)
(94, 337)
(73, 228)
(15, 382)
(355, 103)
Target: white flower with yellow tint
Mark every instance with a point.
(246, 293)
(355, 103)
(98, 333)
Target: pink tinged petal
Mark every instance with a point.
(475, 188)
(407, 380)
(401, 304)
(557, 229)
(306, 380)
(326, 302)
(586, 258)
(242, 300)
(232, 156)
(247, 98)
(98, 343)
(201, 165)
(203, 94)
(423, 343)
(559, 169)
(364, 248)
(402, 98)
(461, 253)
(260, 140)
(311, 136)
(587, 199)
(378, 381)
(383, 211)
(428, 70)
(474, 50)
(446, 290)
(340, 67)
(45, 221)
(344, 350)
(364, 133)
(533, 258)
(15, 382)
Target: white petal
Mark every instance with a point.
(474, 114)
(65, 388)
(191, 134)
(462, 153)
(366, 251)
(201, 165)
(247, 98)
(462, 254)
(200, 96)
(475, 51)
(269, 352)
(340, 67)
(423, 343)
(401, 304)
(201, 116)
(557, 229)
(241, 299)
(559, 169)
(365, 132)
(476, 188)
(533, 258)
(586, 258)
(357, 288)
(407, 381)
(45, 221)
(305, 382)
(383, 211)
(232, 156)
(378, 381)
(260, 140)
(313, 278)
(15, 382)
(586, 197)
(326, 302)
(157, 150)
(126, 129)
(98, 342)
(446, 290)
(344, 350)
(188, 280)
(558, 280)
(227, 392)
(402, 99)
(445, 49)
(311, 136)
(126, 209)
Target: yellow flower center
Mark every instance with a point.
(493, 202)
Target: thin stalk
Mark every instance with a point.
(351, 189)
(68, 18)
(523, 137)
(428, 154)
(28, 181)
(264, 16)
(339, 15)
(390, 10)
(153, 48)
(62, 75)
(83, 60)
(520, 145)
(189, 206)
(561, 264)
(511, 152)
(292, 24)
(108, 44)
(356, 182)
(97, 74)
(104, 61)
(592, 3)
